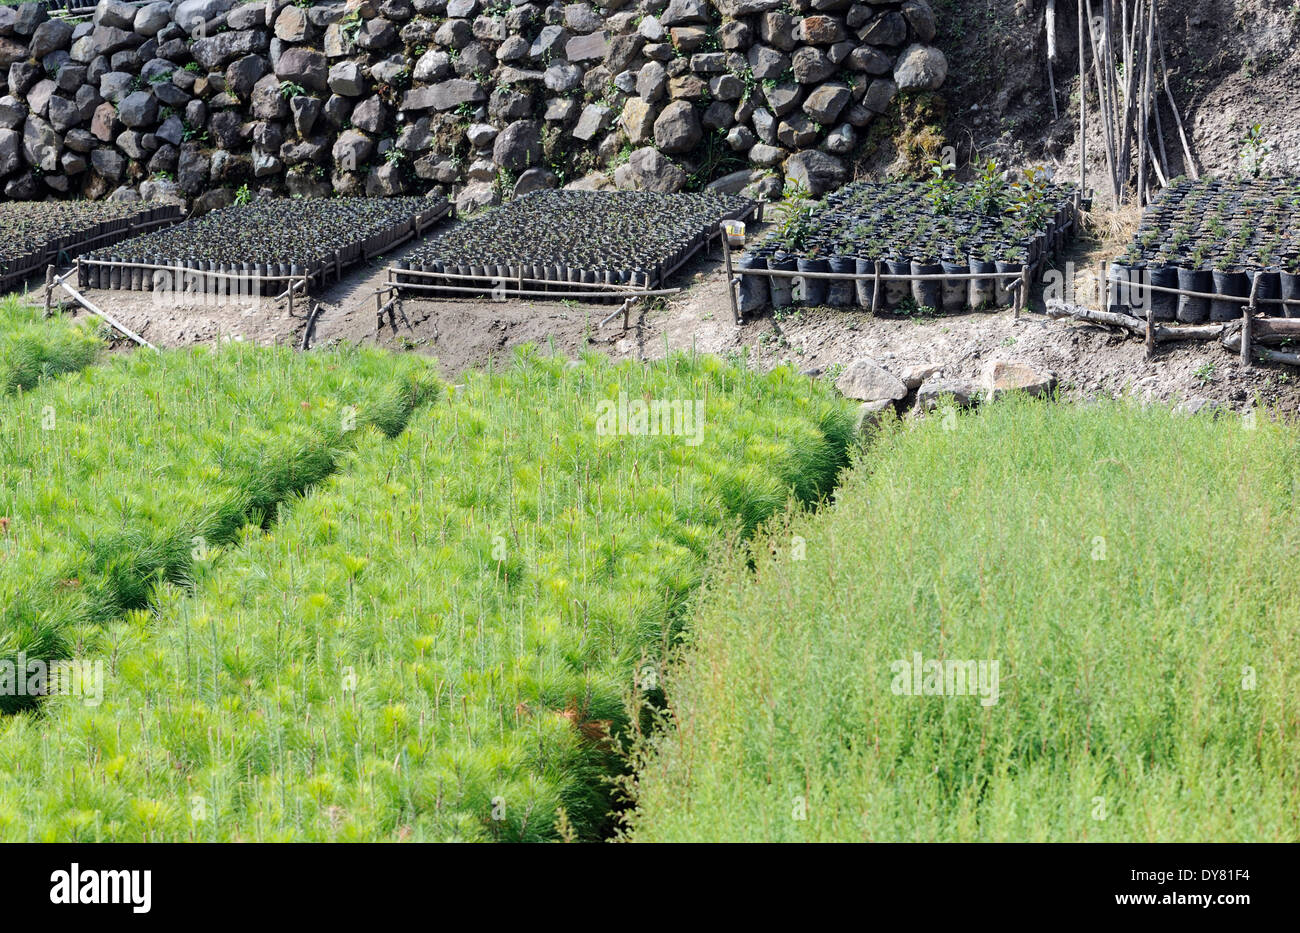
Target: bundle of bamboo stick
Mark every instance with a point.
(1125, 41)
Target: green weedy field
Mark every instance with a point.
(113, 477)
(32, 350)
(438, 636)
(1133, 573)
(338, 600)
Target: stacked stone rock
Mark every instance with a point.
(474, 98)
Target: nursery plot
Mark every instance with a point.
(906, 229)
(564, 240)
(1211, 237)
(261, 247)
(120, 476)
(34, 234)
(437, 643)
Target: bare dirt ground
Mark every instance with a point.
(1089, 361)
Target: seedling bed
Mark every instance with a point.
(580, 243)
(266, 247)
(1202, 243)
(938, 245)
(34, 235)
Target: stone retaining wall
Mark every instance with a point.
(479, 99)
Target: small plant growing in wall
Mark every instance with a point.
(243, 195)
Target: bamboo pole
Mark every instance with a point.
(1100, 45)
(1189, 163)
(1083, 109)
(1131, 88)
(1144, 145)
(652, 293)
(85, 303)
(1049, 21)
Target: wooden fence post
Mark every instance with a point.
(1247, 319)
(731, 286)
(49, 288)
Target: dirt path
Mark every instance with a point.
(1089, 361)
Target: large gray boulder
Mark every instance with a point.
(518, 146)
(650, 170)
(677, 128)
(562, 77)
(921, 18)
(933, 391)
(114, 13)
(446, 95)
(303, 66)
(11, 155)
(217, 51)
(352, 149)
(865, 380)
(152, 18)
(346, 78)
(192, 13)
(12, 112)
(920, 68)
(385, 181)
(826, 103)
(49, 36)
(106, 40)
(40, 144)
(28, 17)
(819, 172)
(1002, 376)
(685, 13)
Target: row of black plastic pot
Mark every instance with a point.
(43, 234)
(486, 279)
(992, 284)
(148, 264)
(622, 231)
(587, 264)
(1277, 293)
(314, 233)
(183, 276)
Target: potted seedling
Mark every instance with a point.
(1229, 280)
(983, 292)
(1162, 273)
(955, 292)
(1290, 281)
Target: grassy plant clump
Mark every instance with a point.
(440, 641)
(119, 477)
(32, 349)
(1131, 572)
